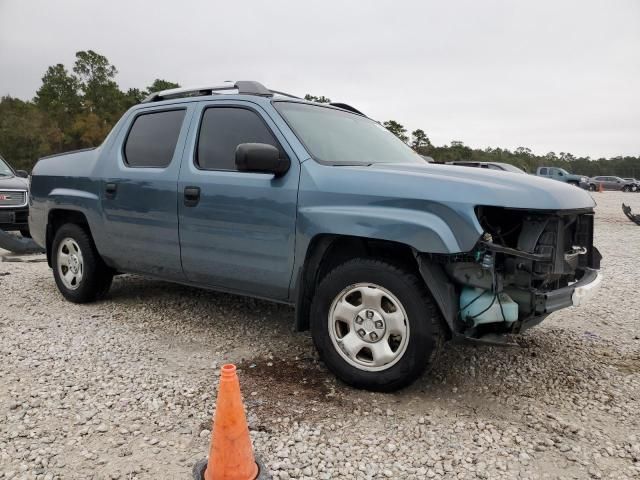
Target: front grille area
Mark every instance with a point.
(563, 239)
(11, 198)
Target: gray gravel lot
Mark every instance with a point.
(125, 388)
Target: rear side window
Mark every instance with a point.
(222, 130)
(543, 171)
(152, 139)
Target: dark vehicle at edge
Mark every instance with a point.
(14, 209)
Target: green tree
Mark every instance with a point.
(101, 94)
(159, 84)
(59, 96)
(397, 129)
(25, 133)
(419, 139)
(89, 129)
(320, 99)
(132, 97)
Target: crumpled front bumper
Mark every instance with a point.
(578, 293)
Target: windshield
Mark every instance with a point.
(343, 138)
(563, 171)
(5, 171)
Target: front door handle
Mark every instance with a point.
(191, 196)
(110, 190)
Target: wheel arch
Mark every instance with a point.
(327, 251)
(58, 217)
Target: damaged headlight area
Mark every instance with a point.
(526, 265)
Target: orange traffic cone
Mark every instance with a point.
(231, 454)
(600, 188)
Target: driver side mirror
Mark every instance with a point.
(22, 174)
(262, 158)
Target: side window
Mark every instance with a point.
(543, 171)
(222, 130)
(152, 139)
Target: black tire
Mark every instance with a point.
(426, 333)
(96, 278)
(592, 187)
(625, 189)
(25, 233)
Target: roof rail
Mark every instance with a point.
(276, 92)
(244, 87)
(348, 107)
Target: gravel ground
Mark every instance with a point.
(125, 388)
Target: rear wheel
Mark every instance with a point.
(592, 187)
(625, 189)
(79, 272)
(375, 325)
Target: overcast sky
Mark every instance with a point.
(552, 75)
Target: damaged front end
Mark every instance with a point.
(526, 265)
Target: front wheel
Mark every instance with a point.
(375, 324)
(592, 187)
(78, 269)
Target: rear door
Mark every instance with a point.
(237, 229)
(139, 193)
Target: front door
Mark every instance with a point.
(237, 229)
(140, 196)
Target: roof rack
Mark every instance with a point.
(345, 106)
(244, 87)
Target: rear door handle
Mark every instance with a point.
(191, 196)
(110, 190)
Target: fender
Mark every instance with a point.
(424, 231)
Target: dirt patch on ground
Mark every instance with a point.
(296, 388)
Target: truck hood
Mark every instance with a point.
(482, 187)
(13, 183)
(431, 208)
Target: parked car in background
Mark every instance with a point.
(611, 183)
(14, 209)
(562, 175)
(384, 256)
(504, 167)
(636, 184)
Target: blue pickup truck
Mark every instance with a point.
(385, 257)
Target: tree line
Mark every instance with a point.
(77, 108)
